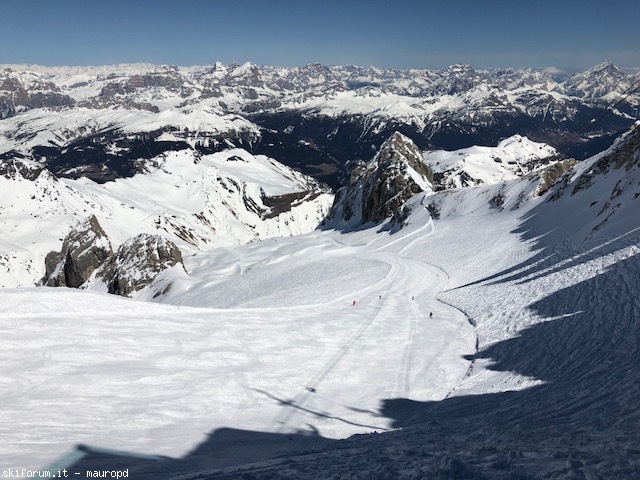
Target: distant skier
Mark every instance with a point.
(430, 314)
(413, 298)
(379, 297)
(354, 302)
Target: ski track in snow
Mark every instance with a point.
(298, 404)
(403, 382)
(296, 357)
(321, 367)
(398, 286)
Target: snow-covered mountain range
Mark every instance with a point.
(196, 201)
(101, 122)
(202, 201)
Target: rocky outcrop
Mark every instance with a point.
(88, 261)
(551, 174)
(137, 262)
(13, 166)
(378, 189)
(83, 251)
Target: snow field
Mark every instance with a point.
(533, 344)
(510, 159)
(115, 373)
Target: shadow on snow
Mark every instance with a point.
(586, 352)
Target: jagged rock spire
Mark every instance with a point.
(378, 189)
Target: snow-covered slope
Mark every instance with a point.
(196, 201)
(513, 157)
(527, 369)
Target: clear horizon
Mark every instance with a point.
(567, 35)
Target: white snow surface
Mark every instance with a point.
(253, 327)
(198, 202)
(513, 157)
(530, 359)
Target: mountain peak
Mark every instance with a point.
(607, 64)
(396, 137)
(378, 190)
(399, 148)
(460, 69)
(246, 68)
(607, 67)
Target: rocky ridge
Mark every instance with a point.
(613, 204)
(84, 250)
(137, 263)
(377, 190)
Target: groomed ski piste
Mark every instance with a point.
(268, 338)
(528, 366)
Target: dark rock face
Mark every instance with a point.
(378, 189)
(13, 94)
(87, 250)
(552, 173)
(391, 184)
(137, 262)
(83, 251)
(13, 166)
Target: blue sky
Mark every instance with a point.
(567, 34)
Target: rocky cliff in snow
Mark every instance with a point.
(84, 250)
(136, 264)
(88, 261)
(378, 189)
